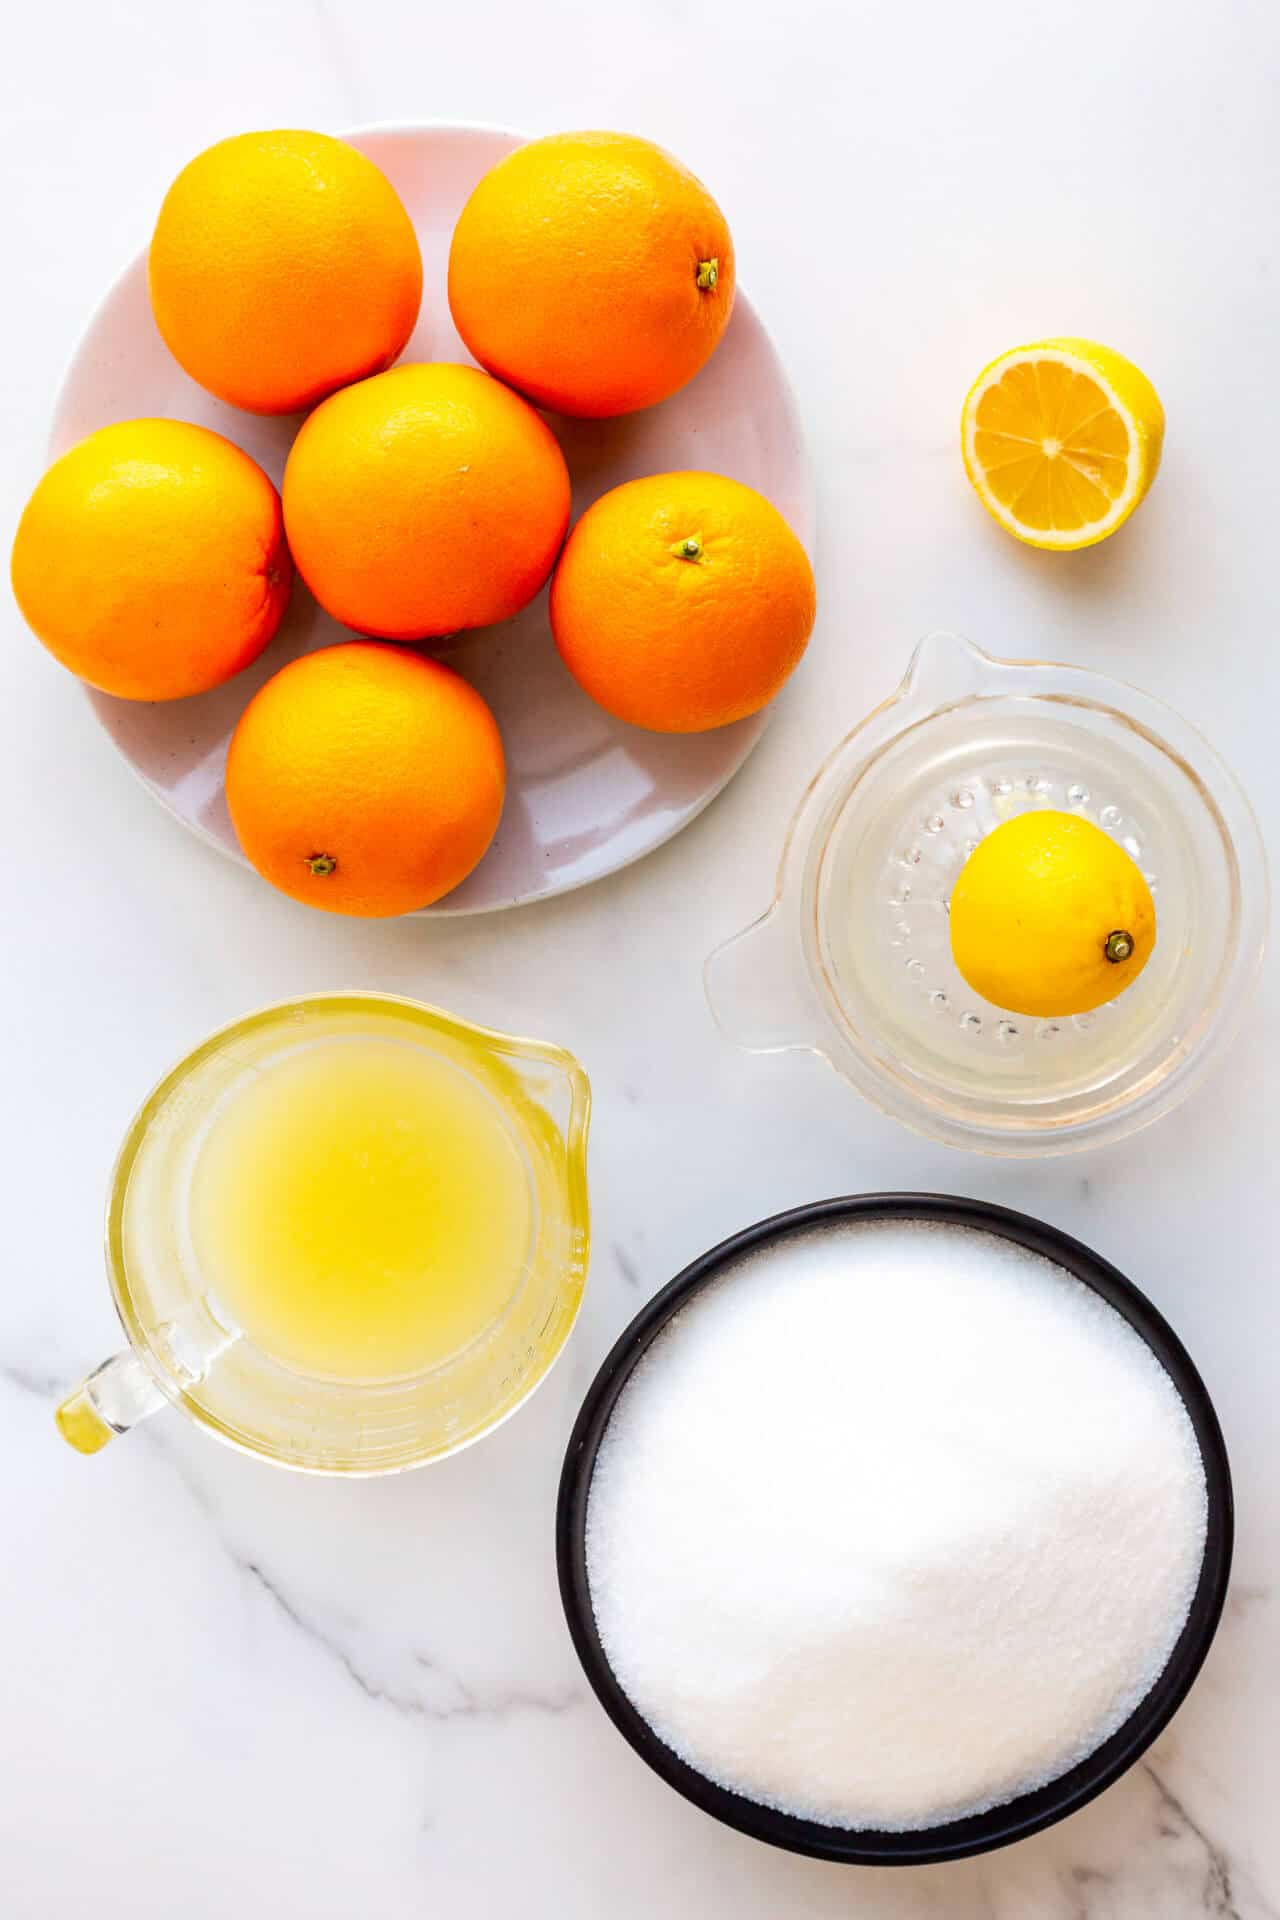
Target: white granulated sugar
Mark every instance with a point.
(892, 1524)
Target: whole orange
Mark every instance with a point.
(593, 272)
(282, 266)
(682, 601)
(423, 501)
(151, 560)
(365, 780)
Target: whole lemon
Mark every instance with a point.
(1050, 916)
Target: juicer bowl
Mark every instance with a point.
(853, 959)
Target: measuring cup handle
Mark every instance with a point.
(114, 1398)
(758, 988)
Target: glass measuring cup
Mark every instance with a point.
(853, 961)
(185, 1347)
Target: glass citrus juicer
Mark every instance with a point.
(348, 1234)
(853, 959)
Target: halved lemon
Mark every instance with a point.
(1062, 440)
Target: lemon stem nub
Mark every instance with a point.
(690, 549)
(1119, 946)
(322, 864)
(708, 274)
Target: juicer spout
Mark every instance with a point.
(944, 668)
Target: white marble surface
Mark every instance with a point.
(229, 1692)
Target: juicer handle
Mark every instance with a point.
(113, 1398)
(758, 988)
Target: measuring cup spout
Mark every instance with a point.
(114, 1398)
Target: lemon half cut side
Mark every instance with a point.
(1061, 441)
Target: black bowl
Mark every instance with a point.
(1027, 1814)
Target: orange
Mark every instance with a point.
(151, 560)
(593, 272)
(365, 780)
(423, 501)
(682, 602)
(282, 266)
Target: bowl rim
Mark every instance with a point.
(1028, 1813)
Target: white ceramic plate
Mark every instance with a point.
(585, 793)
